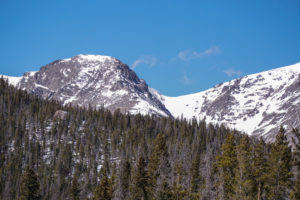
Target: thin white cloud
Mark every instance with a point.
(186, 79)
(232, 72)
(147, 60)
(187, 55)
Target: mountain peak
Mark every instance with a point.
(92, 80)
(93, 58)
(88, 60)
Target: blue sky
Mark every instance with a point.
(178, 47)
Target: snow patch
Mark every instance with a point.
(13, 80)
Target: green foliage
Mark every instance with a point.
(195, 178)
(136, 162)
(30, 186)
(245, 171)
(296, 186)
(164, 191)
(159, 167)
(280, 165)
(259, 167)
(104, 190)
(75, 190)
(125, 179)
(227, 163)
(139, 187)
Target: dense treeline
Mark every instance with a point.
(95, 154)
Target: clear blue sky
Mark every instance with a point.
(178, 47)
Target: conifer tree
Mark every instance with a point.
(296, 186)
(75, 191)
(125, 179)
(139, 187)
(244, 171)
(30, 186)
(227, 163)
(164, 191)
(179, 192)
(158, 155)
(259, 167)
(103, 190)
(195, 178)
(280, 165)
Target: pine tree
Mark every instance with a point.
(30, 186)
(103, 190)
(227, 164)
(296, 186)
(244, 171)
(159, 166)
(139, 187)
(259, 168)
(125, 179)
(164, 192)
(280, 165)
(75, 191)
(195, 178)
(179, 192)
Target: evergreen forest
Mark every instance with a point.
(50, 151)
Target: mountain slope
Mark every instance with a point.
(257, 104)
(92, 80)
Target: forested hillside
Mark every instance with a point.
(50, 151)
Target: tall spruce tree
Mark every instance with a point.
(244, 171)
(179, 192)
(195, 178)
(125, 179)
(29, 186)
(296, 186)
(75, 190)
(259, 166)
(103, 190)
(139, 186)
(280, 166)
(227, 164)
(159, 167)
(164, 192)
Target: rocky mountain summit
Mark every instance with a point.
(256, 104)
(92, 80)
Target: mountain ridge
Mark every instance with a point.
(256, 104)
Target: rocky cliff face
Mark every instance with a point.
(256, 104)
(92, 80)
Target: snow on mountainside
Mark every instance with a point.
(12, 80)
(256, 104)
(93, 80)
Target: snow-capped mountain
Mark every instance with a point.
(256, 104)
(92, 80)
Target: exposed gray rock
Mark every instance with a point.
(93, 80)
(61, 114)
